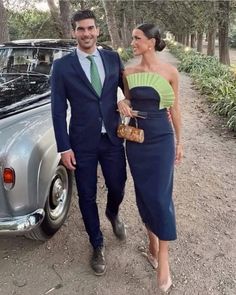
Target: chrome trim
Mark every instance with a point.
(21, 224)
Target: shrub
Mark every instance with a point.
(212, 78)
(125, 53)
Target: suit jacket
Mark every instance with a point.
(70, 84)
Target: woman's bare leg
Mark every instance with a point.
(153, 244)
(163, 273)
(152, 254)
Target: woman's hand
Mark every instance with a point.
(124, 108)
(178, 153)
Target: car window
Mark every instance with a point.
(28, 60)
(24, 75)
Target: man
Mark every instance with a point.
(88, 78)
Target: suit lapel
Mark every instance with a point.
(106, 68)
(78, 68)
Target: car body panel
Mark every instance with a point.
(27, 142)
(34, 128)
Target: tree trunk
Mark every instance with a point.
(182, 39)
(65, 18)
(193, 40)
(55, 16)
(187, 38)
(111, 23)
(82, 4)
(134, 14)
(211, 34)
(199, 41)
(4, 33)
(211, 37)
(125, 32)
(179, 38)
(223, 22)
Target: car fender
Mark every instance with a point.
(31, 151)
(47, 168)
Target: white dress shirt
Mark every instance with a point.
(85, 63)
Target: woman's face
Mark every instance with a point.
(140, 43)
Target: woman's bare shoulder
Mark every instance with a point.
(131, 70)
(170, 68)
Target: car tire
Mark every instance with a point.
(57, 205)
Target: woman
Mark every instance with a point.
(151, 87)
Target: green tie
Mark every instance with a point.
(94, 74)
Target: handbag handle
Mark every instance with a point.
(122, 117)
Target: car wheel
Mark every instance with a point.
(57, 205)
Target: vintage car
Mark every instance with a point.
(35, 187)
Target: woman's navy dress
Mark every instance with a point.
(152, 162)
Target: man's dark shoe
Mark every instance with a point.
(98, 262)
(118, 227)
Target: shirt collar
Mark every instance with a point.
(82, 55)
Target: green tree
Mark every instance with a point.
(4, 33)
(31, 24)
(61, 17)
(223, 23)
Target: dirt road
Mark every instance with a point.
(203, 259)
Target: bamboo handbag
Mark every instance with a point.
(130, 133)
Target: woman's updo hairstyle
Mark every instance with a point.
(152, 31)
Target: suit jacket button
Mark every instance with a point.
(100, 119)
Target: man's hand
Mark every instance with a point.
(68, 159)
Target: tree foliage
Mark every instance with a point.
(37, 28)
(188, 21)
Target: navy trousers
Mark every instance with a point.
(113, 164)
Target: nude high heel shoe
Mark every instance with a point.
(166, 286)
(151, 259)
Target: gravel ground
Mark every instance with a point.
(203, 259)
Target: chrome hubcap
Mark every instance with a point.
(58, 192)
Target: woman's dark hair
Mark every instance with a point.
(81, 15)
(152, 31)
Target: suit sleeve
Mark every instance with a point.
(121, 70)
(59, 107)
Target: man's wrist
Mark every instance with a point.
(65, 151)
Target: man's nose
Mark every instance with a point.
(86, 32)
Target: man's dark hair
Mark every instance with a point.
(81, 15)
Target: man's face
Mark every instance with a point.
(86, 34)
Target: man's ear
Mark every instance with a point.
(98, 31)
(73, 33)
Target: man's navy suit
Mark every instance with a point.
(70, 84)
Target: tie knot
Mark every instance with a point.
(90, 58)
